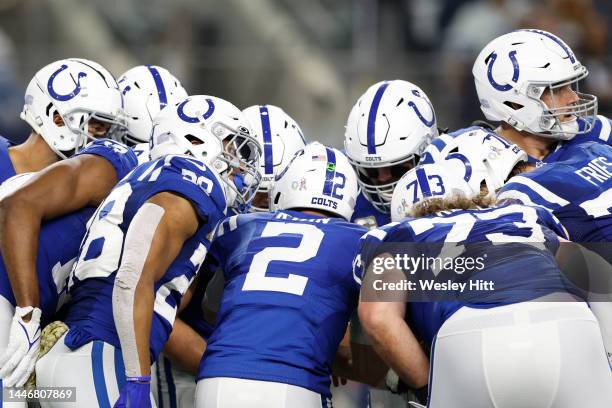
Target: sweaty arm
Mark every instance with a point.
(393, 340)
(62, 188)
(154, 239)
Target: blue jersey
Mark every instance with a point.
(578, 190)
(601, 131)
(367, 215)
(289, 293)
(6, 165)
(60, 238)
(89, 314)
(520, 270)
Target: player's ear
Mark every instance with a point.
(57, 119)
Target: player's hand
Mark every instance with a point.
(21, 354)
(135, 394)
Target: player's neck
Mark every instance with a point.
(535, 146)
(32, 155)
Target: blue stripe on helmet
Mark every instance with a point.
(267, 139)
(330, 171)
(372, 118)
(569, 52)
(423, 183)
(159, 84)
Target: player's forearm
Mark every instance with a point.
(185, 347)
(143, 314)
(394, 342)
(19, 229)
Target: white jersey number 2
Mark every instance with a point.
(256, 278)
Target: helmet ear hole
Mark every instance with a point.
(193, 139)
(513, 105)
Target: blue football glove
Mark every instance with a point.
(136, 393)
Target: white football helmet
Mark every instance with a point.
(279, 137)
(318, 177)
(487, 157)
(215, 132)
(433, 180)
(389, 127)
(78, 90)
(146, 90)
(513, 71)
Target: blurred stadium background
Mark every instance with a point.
(311, 57)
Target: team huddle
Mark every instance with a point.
(171, 250)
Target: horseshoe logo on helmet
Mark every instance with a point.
(195, 119)
(515, 73)
(70, 95)
(428, 123)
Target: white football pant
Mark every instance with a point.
(95, 369)
(525, 355)
(224, 392)
(172, 387)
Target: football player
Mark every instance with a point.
(39, 245)
(279, 138)
(289, 289)
(143, 249)
(513, 345)
(146, 90)
(386, 132)
(528, 81)
(62, 115)
(30, 251)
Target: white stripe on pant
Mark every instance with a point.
(224, 392)
(95, 369)
(528, 355)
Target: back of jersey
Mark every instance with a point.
(578, 190)
(90, 311)
(510, 246)
(288, 296)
